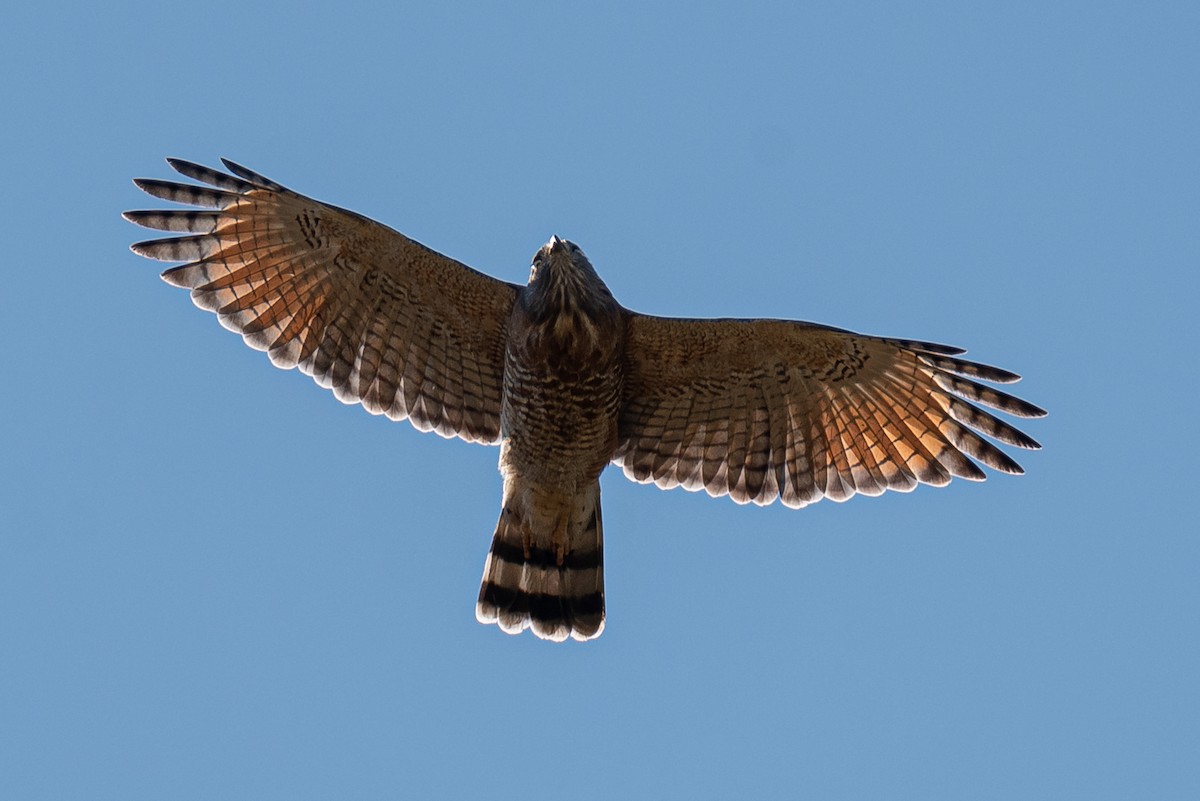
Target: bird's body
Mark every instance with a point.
(566, 380)
(558, 422)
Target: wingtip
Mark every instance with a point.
(234, 167)
(171, 277)
(256, 178)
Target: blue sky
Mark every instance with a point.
(216, 581)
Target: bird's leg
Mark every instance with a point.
(559, 537)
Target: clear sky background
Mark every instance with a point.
(218, 582)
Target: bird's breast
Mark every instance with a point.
(562, 392)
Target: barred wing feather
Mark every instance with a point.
(769, 409)
(378, 318)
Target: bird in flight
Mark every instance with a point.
(566, 380)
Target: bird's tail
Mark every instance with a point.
(545, 570)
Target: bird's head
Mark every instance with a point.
(562, 278)
(558, 260)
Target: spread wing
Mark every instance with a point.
(378, 318)
(766, 409)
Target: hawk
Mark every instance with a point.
(566, 380)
